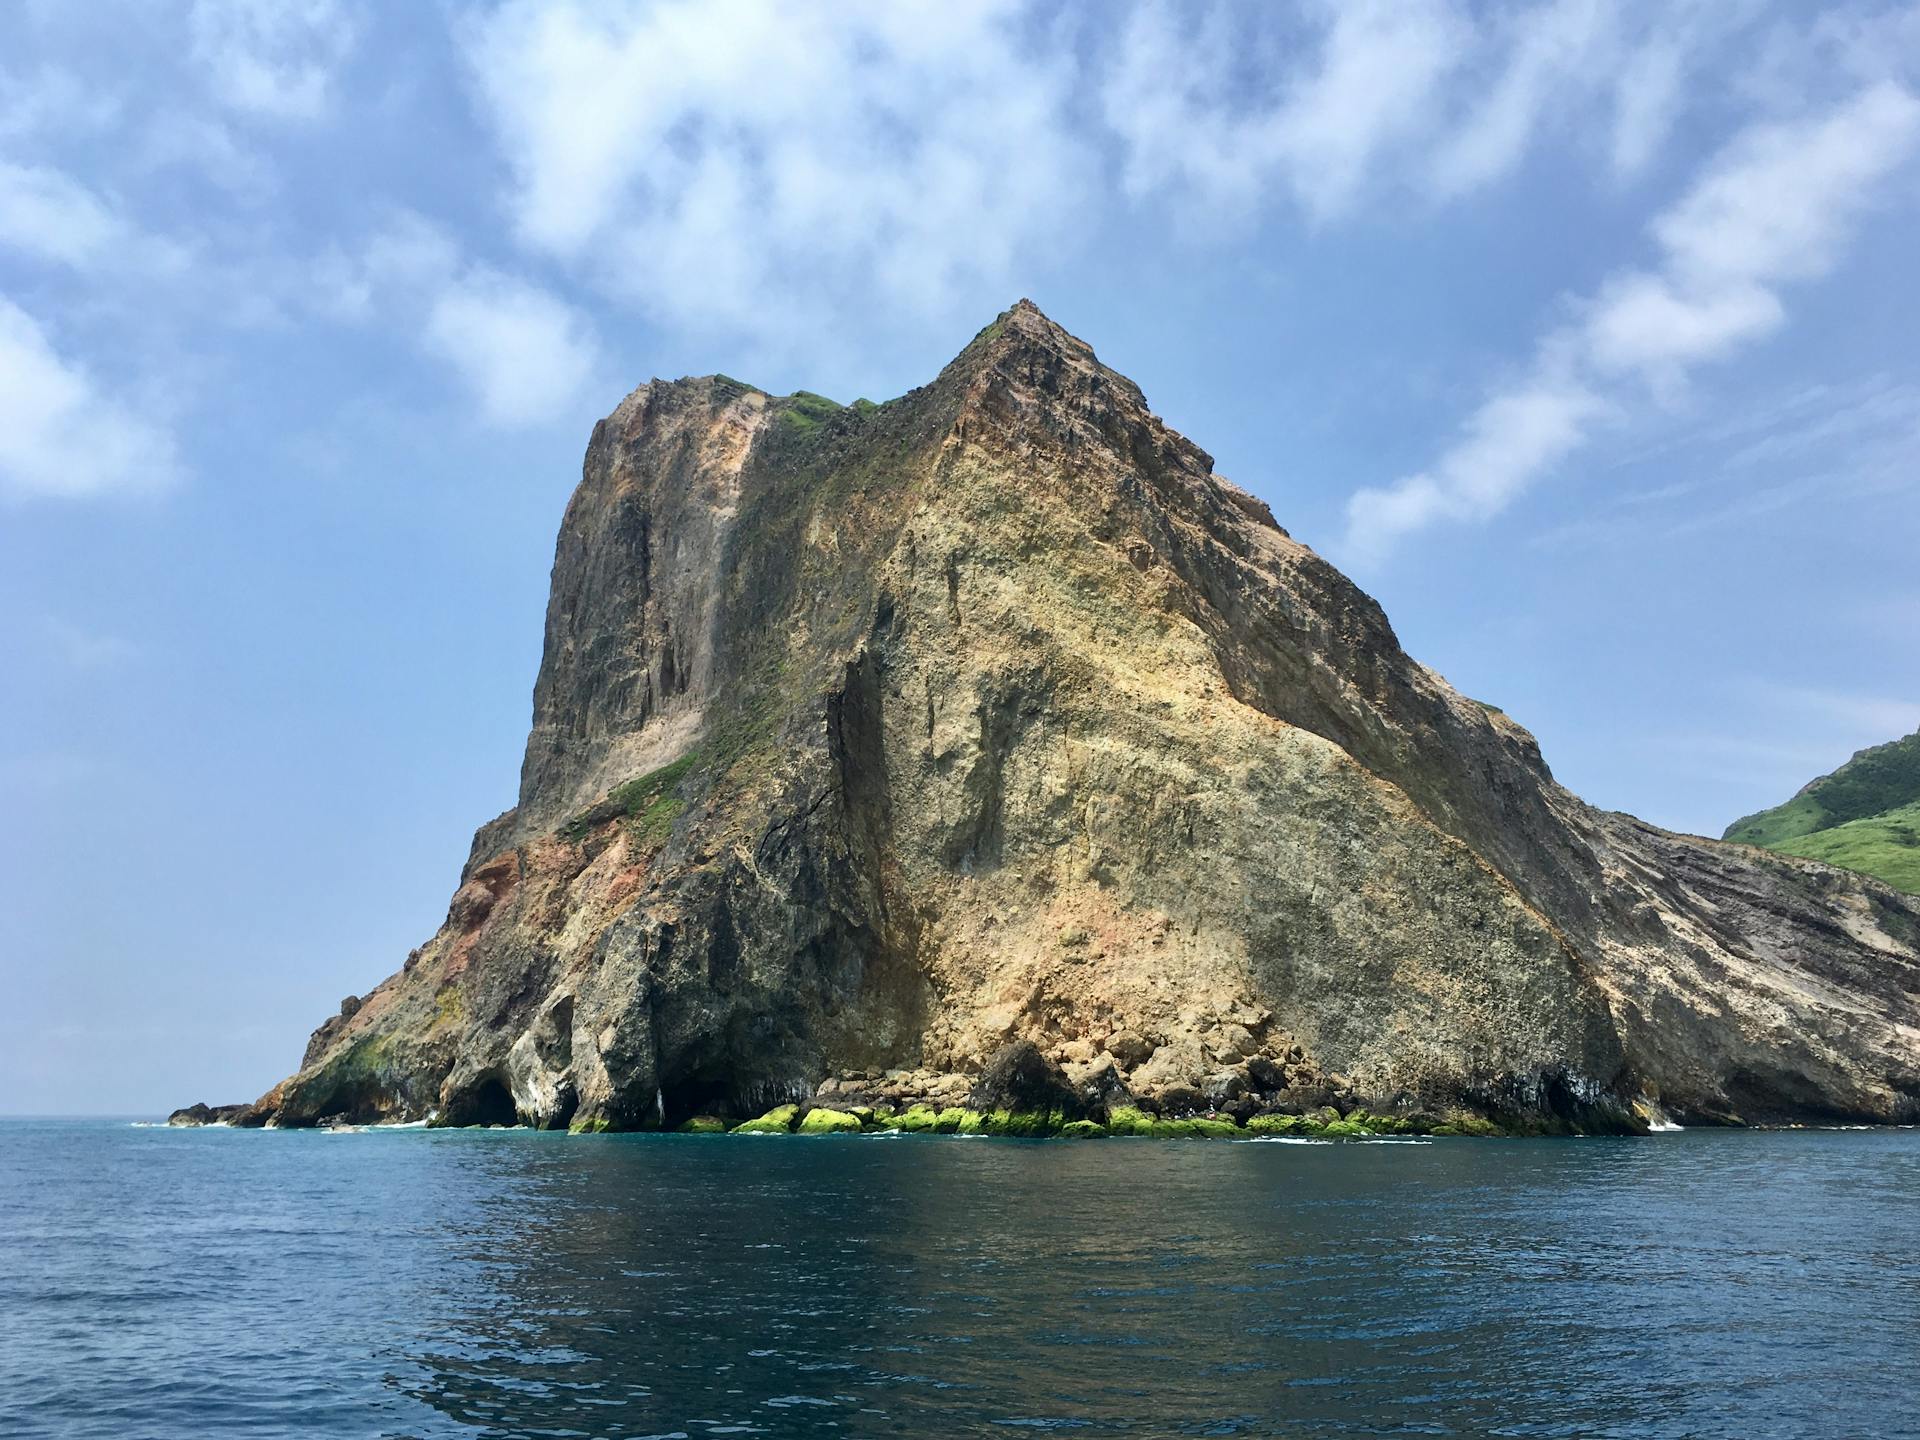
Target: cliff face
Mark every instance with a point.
(868, 740)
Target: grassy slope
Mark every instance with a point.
(1865, 816)
(1884, 845)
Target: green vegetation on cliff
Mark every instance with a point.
(1864, 816)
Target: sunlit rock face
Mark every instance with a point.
(869, 740)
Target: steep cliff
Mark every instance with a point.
(868, 740)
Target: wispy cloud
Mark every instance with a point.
(61, 435)
(1424, 98)
(1366, 79)
(1775, 206)
(1823, 444)
(747, 168)
(82, 649)
(272, 58)
(524, 354)
(48, 216)
(1862, 719)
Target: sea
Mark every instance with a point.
(404, 1282)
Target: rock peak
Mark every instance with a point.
(869, 740)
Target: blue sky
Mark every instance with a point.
(1581, 334)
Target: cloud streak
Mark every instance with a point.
(524, 354)
(1774, 207)
(61, 435)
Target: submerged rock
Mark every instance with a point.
(876, 745)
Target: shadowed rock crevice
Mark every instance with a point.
(875, 744)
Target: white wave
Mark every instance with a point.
(1279, 1140)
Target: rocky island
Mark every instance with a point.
(983, 760)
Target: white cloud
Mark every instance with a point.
(1368, 83)
(1549, 58)
(525, 355)
(1503, 446)
(50, 216)
(1646, 97)
(61, 437)
(52, 100)
(274, 58)
(1776, 205)
(749, 167)
(1421, 96)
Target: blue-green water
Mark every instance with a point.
(214, 1282)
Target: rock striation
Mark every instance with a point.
(986, 744)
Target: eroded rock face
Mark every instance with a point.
(870, 741)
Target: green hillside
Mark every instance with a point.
(1865, 816)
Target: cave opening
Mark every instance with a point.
(487, 1103)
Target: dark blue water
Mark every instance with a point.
(213, 1282)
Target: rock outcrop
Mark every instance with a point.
(871, 741)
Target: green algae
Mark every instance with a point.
(777, 1121)
(703, 1125)
(1083, 1130)
(1463, 1122)
(1278, 1125)
(917, 1118)
(650, 803)
(1209, 1128)
(821, 1121)
(589, 1125)
(1020, 1124)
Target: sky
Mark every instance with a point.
(1581, 334)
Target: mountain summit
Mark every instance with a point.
(873, 745)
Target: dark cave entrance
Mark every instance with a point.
(487, 1103)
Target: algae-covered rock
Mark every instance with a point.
(972, 1122)
(588, 1125)
(1209, 1127)
(1021, 1124)
(1129, 1120)
(1278, 1125)
(777, 1121)
(917, 1118)
(1083, 1130)
(949, 1120)
(1019, 1080)
(1464, 1122)
(1344, 1130)
(819, 1121)
(703, 1125)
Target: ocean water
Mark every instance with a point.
(160, 1282)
